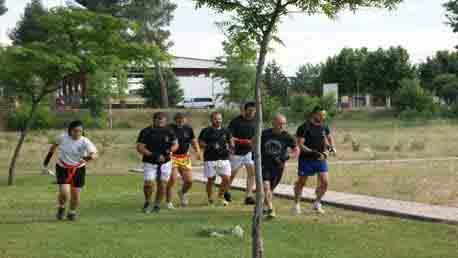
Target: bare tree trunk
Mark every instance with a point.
(163, 83)
(17, 150)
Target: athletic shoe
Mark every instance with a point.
(271, 214)
(211, 202)
(250, 201)
(317, 207)
(170, 206)
(156, 209)
(297, 209)
(147, 208)
(60, 213)
(183, 198)
(71, 216)
(228, 196)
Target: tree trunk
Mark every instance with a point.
(24, 131)
(163, 83)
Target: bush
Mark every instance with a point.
(302, 106)
(411, 101)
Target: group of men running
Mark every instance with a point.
(165, 150)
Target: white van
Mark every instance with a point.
(197, 103)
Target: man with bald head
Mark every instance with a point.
(276, 146)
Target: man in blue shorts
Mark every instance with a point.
(315, 142)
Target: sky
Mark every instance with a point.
(417, 25)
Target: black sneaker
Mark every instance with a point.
(156, 209)
(60, 213)
(271, 214)
(147, 207)
(71, 216)
(228, 196)
(250, 201)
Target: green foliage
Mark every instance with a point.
(411, 99)
(152, 89)
(307, 80)
(2, 7)
(98, 92)
(446, 87)
(301, 107)
(276, 83)
(452, 14)
(29, 29)
(270, 106)
(239, 71)
(444, 62)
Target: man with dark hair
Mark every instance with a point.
(216, 141)
(181, 160)
(243, 129)
(75, 151)
(156, 143)
(315, 141)
(276, 145)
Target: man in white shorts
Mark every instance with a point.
(156, 143)
(243, 129)
(216, 141)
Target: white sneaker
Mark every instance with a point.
(317, 207)
(183, 199)
(296, 209)
(170, 206)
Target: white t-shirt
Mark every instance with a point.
(72, 151)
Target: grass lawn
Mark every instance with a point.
(111, 225)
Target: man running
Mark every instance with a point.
(276, 145)
(156, 143)
(216, 141)
(315, 140)
(75, 151)
(243, 129)
(181, 160)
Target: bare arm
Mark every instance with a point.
(295, 152)
(141, 148)
(196, 147)
(174, 147)
(90, 156)
(51, 152)
(300, 143)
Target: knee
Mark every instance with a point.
(148, 184)
(324, 184)
(300, 183)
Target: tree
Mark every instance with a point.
(152, 16)
(446, 87)
(451, 8)
(28, 29)
(2, 7)
(412, 97)
(258, 21)
(443, 62)
(78, 41)
(238, 70)
(307, 80)
(151, 88)
(276, 83)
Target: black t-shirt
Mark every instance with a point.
(274, 147)
(158, 141)
(185, 135)
(218, 143)
(243, 129)
(314, 137)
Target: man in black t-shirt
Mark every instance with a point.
(181, 160)
(156, 143)
(276, 145)
(243, 129)
(315, 141)
(216, 141)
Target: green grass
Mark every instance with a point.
(111, 225)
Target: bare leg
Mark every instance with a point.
(63, 196)
(170, 185)
(298, 187)
(268, 195)
(161, 185)
(148, 191)
(225, 182)
(75, 198)
(323, 182)
(250, 180)
(210, 183)
(186, 175)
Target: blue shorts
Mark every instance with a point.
(312, 167)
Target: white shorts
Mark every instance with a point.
(240, 161)
(214, 168)
(152, 172)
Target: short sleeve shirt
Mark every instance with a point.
(71, 151)
(185, 135)
(243, 129)
(275, 145)
(158, 141)
(217, 143)
(314, 136)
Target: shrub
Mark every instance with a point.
(412, 101)
(302, 106)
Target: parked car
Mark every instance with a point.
(197, 103)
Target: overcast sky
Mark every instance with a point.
(418, 25)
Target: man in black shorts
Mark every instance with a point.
(216, 141)
(276, 145)
(243, 129)
(156, 143)
(181, 159)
